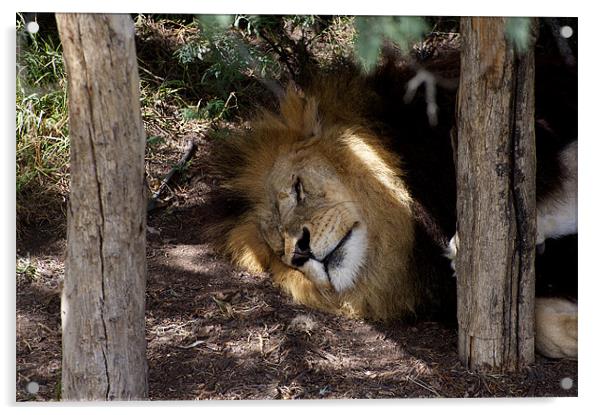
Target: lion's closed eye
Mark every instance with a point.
(298, 190)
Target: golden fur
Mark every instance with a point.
(556, 327)
(353, 171)
(351, 184)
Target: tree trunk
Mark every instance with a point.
(496, 199)
(102, 309)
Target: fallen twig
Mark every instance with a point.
(194, 344)
(423, 385)
(188, 153)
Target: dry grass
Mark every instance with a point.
(183, 96)
(213, 331)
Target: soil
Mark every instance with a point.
(216, 332)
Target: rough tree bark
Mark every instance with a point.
(496, 199)
(102, 308)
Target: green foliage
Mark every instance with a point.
(215, 22)
(190, 52)
(518, 30)
(154, 140)
(26, 268)
(152, 95)
(232, 54)
(304, 21)
(256, 25)
(183, 168)
(193, 71)
(266, 25)
(299, 41)
(215, 109)
(372, 31)
(42, 144)
(228, 62)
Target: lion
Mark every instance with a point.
(340, 210)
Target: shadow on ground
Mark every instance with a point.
(216, 332)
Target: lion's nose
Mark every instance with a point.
(302, 252)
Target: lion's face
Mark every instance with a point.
(311, 221)
(328, 213)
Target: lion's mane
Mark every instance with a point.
(333, 116)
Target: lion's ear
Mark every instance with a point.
(300, 113)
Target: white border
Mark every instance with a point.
(371, 7)
(589, 172)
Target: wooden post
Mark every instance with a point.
(102, 307)
(496, 199)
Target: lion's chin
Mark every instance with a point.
(342, 269)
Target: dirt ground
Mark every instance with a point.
(216, 332)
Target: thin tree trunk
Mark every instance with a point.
(496, 199)
(102, 309)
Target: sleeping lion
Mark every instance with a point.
(349, 196)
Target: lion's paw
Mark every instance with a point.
(451, 252)
(556, 327)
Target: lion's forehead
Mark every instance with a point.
(308, 160)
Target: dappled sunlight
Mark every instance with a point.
(372, 161)
(191, 258)
(217, 324)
